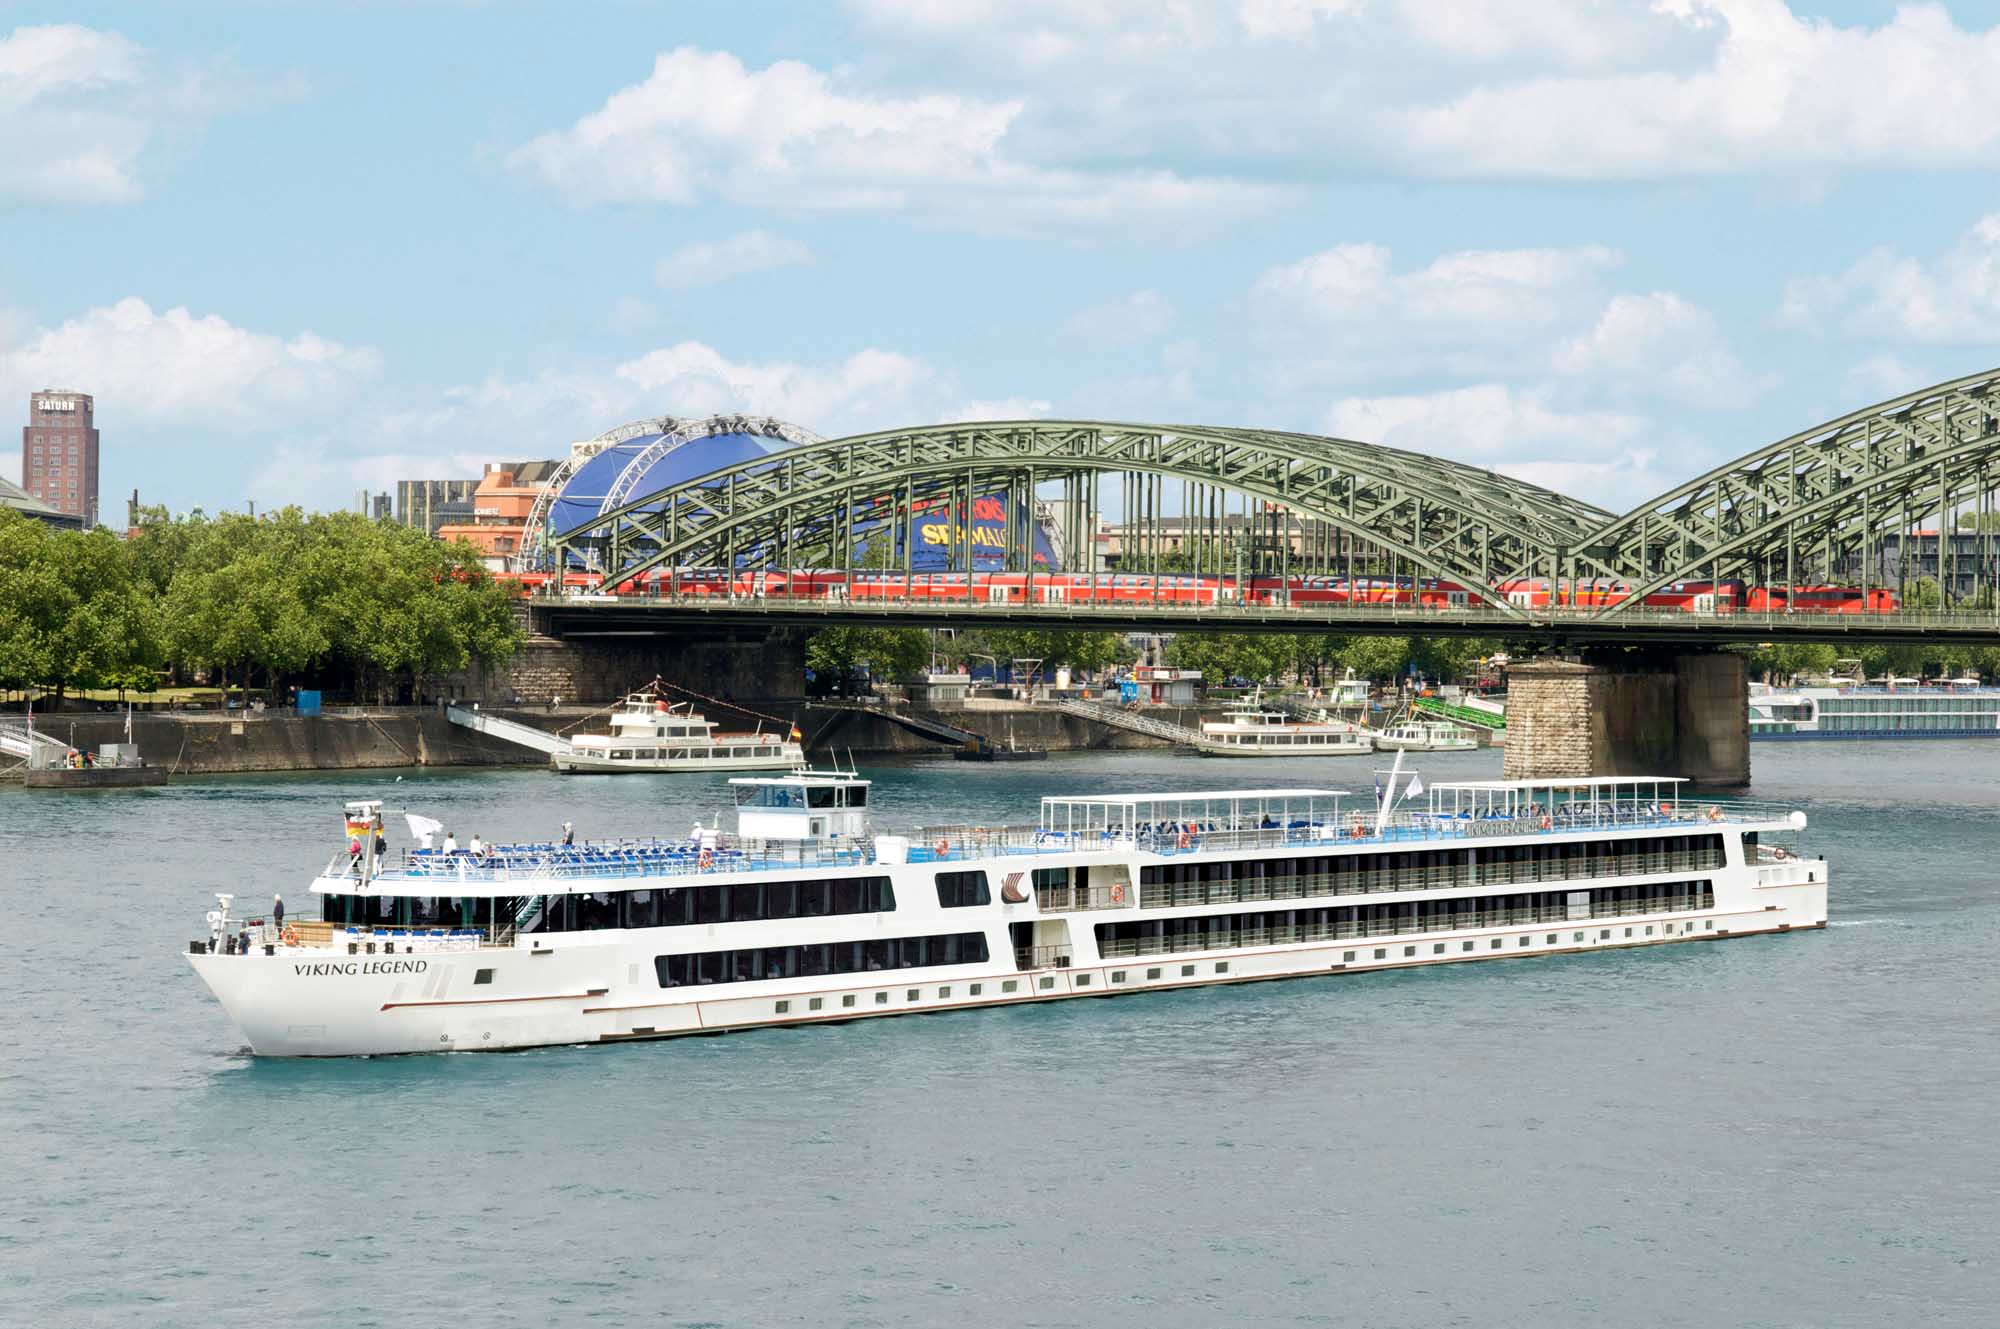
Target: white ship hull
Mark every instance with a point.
(576, 761)
(1425, 744)
(1340, 747)
(609, 985)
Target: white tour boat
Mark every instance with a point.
(650, 734)
(1248, 730)
(803, 915)
(1425, 736)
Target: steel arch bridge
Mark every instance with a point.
(1818, 507)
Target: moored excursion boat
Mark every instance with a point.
(1249, 730)
(649, 733)
(1425, 736)
(804, 914)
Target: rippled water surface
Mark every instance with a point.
(1785, 1131)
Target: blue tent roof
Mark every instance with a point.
(583, 497)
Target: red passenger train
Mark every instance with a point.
(1112, 588)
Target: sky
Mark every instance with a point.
(296, 249)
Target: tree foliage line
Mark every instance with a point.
(332, 600)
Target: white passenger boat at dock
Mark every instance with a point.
(805, 915)
(1250, 730)
(649, 733)
(1425, 736)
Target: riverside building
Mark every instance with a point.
(59, 453)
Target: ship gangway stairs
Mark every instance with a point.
(30, 745)
(511, 731)
(1118, 717)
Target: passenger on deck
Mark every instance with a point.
(450, 843)
(278, 912)
(476, 846)
(569, 836)
(354, 855)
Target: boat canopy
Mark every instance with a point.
(1514, 798)
(1228, 809)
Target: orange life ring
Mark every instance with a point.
(706, 860)
(1118, 892)
(290, 936)
(942, 848)
(1184, 841)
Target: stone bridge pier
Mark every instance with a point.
(1631, 713)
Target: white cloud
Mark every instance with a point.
(1471, 89)
(61, 141)
(1003, 408)
(82, 111)
(1480, 424)
(1609, 458)
(1137, 317)
(1953, 301)
(1662, 345)
(175, 368)
(1886, 376)
(1346, 312)
(750, 251)
(703, 125)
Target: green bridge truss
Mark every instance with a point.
(1814, 507)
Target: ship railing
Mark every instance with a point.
(1042, 957)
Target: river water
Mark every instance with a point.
(1786, 1131)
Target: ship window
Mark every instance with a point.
(1048, 983)
(1552, 939)
(1187, 971)
(1381, 953)
(847, 957)
(1465, 946)
(1496, 944)
(822, 796)
(977, 988)
(1009, 985)
(957, 890)
(1152, 973)
(1525, 941)
(913, 994)
(784, 1007)
(1409, 950)
(1118, 975)
(483, 976)
(1083, 980)
(1437, 948)
(881, 999)
(943, 993)
(1347, 957)
(1222, 966)
(847, 1000)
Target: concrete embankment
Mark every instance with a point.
(193, 743)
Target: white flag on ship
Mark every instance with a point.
(1415, 787)
(423, 828)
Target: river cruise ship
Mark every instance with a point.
(648, 733)
(1959, 708)
(803, 914)
(1249, 730)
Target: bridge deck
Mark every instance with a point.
(583, 616)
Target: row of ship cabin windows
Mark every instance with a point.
(753, 964)
(1282, 927)
(1171, 884)
(718, 750)
(745, 902)
(1155, 973)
